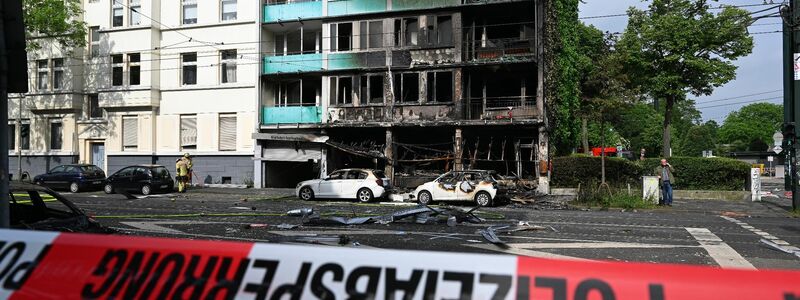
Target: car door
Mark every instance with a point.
(445, 188)
(467, 186)
(349, 186)
(140, 177)
(71, 174)
(122, 180)
(53, 178)
(327, 187)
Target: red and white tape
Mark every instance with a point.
(43, 265)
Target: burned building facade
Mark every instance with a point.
(412, 87)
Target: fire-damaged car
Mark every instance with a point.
(39, 208)
(472, 185)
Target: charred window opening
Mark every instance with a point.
(371, 34)
(341, 90)
(289, 93)
(293, 43)
(406, 87)
(440, 87)
(311, 90)
(371, 89)
(280, 50)
(342, 37)
(444, 30)
(299, 92)
(406, 32)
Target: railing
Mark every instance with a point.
(275, 11)
(496, 49)
(291, 115)
(502, 108)
(350, 7)
(293, 63)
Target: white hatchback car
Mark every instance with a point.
(472, 185)
(361, 184)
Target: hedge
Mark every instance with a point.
(691, 173)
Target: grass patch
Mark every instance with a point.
(795, 213)
(607, 197)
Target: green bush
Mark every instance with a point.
(691, 173)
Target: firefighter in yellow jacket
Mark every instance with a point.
(182, 174)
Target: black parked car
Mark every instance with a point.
(73, 177)
(144, 179)
(39, 208)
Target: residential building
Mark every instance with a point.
(157, 79)
(408, 86)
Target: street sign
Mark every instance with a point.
(778, 138)
(777, 149)
(771, 158)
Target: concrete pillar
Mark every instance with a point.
(458, 165)
(258, 167)
(388, 151)
(544, 161)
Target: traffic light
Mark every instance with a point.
(788, 130)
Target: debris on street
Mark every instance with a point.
(787, 250)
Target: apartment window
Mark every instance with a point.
(189, 12)
(116, 13)
(227, 132)
(94, 33)
(440, 87)
(342, 94)
(134, 69)
(56, 135)
(444, 30)
(280, 45)
(25, 136)
(95, 112)
(371, 34)
(189, 132)
(130, 133)
(189, 65)
(228, 10)
(299, 41)
(406, 32)
(342, 37)
(12, 136)
(372, 89)
(42, 74)
(294, 42)
(58, 73)
(289, 93)
(228, 66)
(312, 41)
(135, 14)
(406, 87)
(116, 69)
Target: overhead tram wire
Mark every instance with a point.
(767, 100)
(714, 8)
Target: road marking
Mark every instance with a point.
(512, 249)
(721, 252)
(155, 227)
(783, 245)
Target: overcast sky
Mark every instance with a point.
(760, 73)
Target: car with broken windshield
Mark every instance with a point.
(479, 186)
(39, 208)
(363, 185)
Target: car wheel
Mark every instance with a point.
(483, 199)
(74, 187)
(146, 189)
(425, 198)
(306, 194)
(364, 195)
(109, 189)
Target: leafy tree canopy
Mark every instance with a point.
(758, 121)
(54, 19)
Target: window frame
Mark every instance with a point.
(225, 64)
(227, 138)
(181, 134)
(12, 136)
(58, 83)
(117, 69)
(116, 6)
(188, 65)
(135, 146)
(56, 140)
(94, 41)
(42, 75)
(92, 108)
(25, 144)
(222, 11)
(134, 9)
(134, 64)
(184, 5)
(334, 100)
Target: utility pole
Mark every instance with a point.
(791, 99)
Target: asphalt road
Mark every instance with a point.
(714, 233)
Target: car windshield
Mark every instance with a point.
(90, 169)
(379, 174)
(32, 206)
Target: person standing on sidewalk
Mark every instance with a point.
(664, 173)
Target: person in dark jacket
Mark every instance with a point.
(667, 179)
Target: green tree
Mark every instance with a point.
(680, 47)
(593, 47)
(754, 122)
(640, 124)
(57, 20)
(699, 138)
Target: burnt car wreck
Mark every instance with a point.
(38, 208)
(446, 86)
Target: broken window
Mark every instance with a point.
(371, 34)
(289, 93)
(341, 90)
(371, 91)
(406, 32)
(279, 45)
(310, 41)
(444, 30)
(342, 37)
(311, 91)
(440, 87)
(406, 87)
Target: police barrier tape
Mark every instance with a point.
(44, 265)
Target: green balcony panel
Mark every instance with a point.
(352, 7)
(293, 63)
(422, 4)
(292, 115)
(344, 61)
(292, 11)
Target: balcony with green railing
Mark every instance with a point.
(293, 63)
(277, 11)
(291, 115)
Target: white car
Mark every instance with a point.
(472, 185)
(361, 184)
